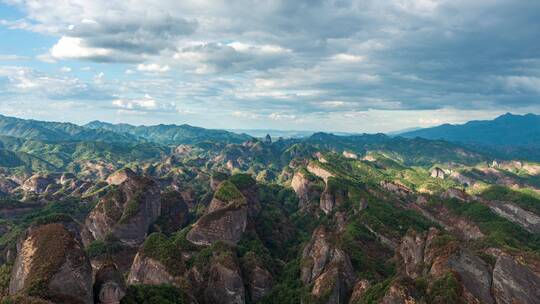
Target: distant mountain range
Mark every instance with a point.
(107, 132)
(509, 135)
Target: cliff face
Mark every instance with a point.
(225, 284)
(109, 286)
(51, 264)
(146, 270)
(225, 219)
(328, 268)
(512, 279)
(126, 211)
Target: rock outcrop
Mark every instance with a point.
(307, 188)
(514, 282)
(429, 254)
(146, 270)
(526, 219)
(126, 211)
(438, 173)
(109, 286)
(351, 155)
(328, 268)
(51, 264)
(359, 290)
(319, 172)
(36, 184)
(174, 212)
(225, 284)
(453, 193)
(120, 176)
(258, 279)
(225, 219)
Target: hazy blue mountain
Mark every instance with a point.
(509, 135)
(171, 134)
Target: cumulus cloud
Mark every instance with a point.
(145, 104)
(152, 67)
(27, 82)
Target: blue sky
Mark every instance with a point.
(355, 66)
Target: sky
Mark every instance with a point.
(349, 66)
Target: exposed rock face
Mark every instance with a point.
(351, 155)
(421, 255)
(438, 173)
(174, 212)
(120, 176)
(319, 172)
(259, 282)
(36, 183)
(526, 219)
(514, 282)
(358, 291)
(328, 268)
(225, 220)
(300, 185)
(52, 264)
(126, 211)
(7, 185)
(331, 198)
(109, 287)
(67, 178)
(457, 225)
(225, 285)
(398, 294)
(411, 250)
(396, 187)
(474, 274)
(146, 270)
(453, 193)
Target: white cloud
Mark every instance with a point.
(153, 68)
(65, 69)
(74, 48)
(348, 58)
(146, 103)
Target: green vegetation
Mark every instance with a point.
(242, 181)
(109, 246)
(376, 292)
(151, 294)
(5, 275)
(289, 289)
(446, 290)
(526, 198)
(227, 192)
(165, 250)
(500, 232)
(367, 256)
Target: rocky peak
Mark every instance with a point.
(319, 172)
(351, 155)
(109, 286)
(36, 183)
(328, 268)
(438, 173)
(126, 211)
(225, 219)
(120, 176)
(51, 264)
